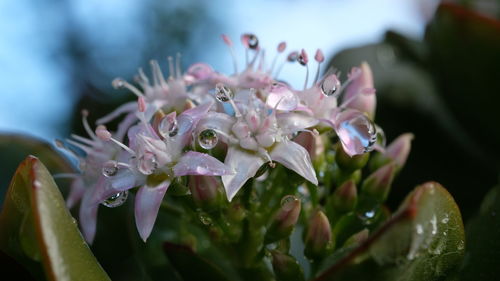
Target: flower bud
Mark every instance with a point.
(345, 197)
(315, 146)
(399, 149)
(319, 236)
(350, 163)
(360, 93)
(284, 220)
(378, 184)
(286, 267)
(205, 191)
(357, 238)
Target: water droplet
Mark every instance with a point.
(357, 132)
(147, 163)
(292, 56)
(168, 126)
(116, 200)
(223, 93)
(251, 41)
(110, 168)
(367, 216)
(330, 85)
(446, 219)
(419, 228)
(205, 219)
(208, 139)
(287, 202)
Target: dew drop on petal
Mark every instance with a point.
(168, 127)
(116, 200)
(357, 134)
(223, 93)
(147, 163)
(330, 85)
(109, 168)
(208, 139)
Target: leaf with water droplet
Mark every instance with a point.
(35, 205)
(414, 244)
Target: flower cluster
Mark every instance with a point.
(250, 118)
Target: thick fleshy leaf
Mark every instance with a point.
(295, 157)
(200, 164)
(147, 204)
(34, 197)
(244, 164)
(15, 148)
(424, 240)
(483, 245)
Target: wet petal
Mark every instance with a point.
(245, 166)
(293, 122)
(196, 163)
(219, 122)
(125, 179)
(186, 122)
(355, 92)
(147, 204)
(281, 97)
(294, 157)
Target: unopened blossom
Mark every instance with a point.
(360, 93)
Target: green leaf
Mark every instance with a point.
(15, 148)
(483, 245)
(190, 265)
(36, 225)
(424, 240)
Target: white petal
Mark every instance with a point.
(293, 122)
(196, 163)
(245, 165)
(147, 204)
(295, 157)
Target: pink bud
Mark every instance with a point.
(281, 47)
(227, 40)
(103, 133)
(319, 57)
(319, 236)
(378, 184)
(399, 149)
(205, 191)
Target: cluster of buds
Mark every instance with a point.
(240, 135)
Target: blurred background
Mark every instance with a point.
(436, 67)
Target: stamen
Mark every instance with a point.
(158, 78)
(83, 140)
(59, 144)
(281, 48)
(292, 57)
(86, 125)
(125, 108)
(103, 133)
(80, 146)
(303, 59)
(126, 148)
(119, 83)
(229, 43)
(319, 57)
(262, 60)
(141, 104)
(178, 66)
